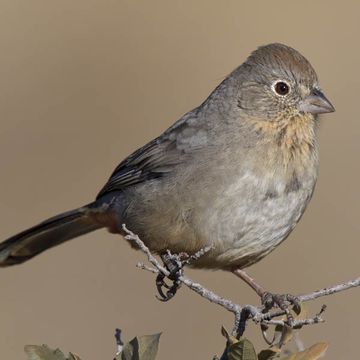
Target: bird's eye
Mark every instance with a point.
(281, 88)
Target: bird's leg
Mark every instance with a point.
(250, 281)
(268, 299)
(174, 264)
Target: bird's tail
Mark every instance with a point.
(49, 233)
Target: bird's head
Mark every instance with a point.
(277, 83)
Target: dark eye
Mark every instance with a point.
(282, 88)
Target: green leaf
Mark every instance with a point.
(241, 350)
(127, 353)
(140, 348)
(229, 338)
(43, 352)
(269, 354)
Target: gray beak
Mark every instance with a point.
(316, 103)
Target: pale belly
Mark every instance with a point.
(243, 221)
(245, 233)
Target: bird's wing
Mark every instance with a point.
(154, 160)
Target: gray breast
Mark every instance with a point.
(253, 218)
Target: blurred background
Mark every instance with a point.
(83, 84)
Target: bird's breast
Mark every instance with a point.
(244, 211)
(253, 215)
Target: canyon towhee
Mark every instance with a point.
(236, 173)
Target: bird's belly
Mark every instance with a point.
(243, 233)
(243, 222)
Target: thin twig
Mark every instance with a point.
(253, 312)
(142, 266)
(330, 290)
(211, 296)
(208, 294)
(152, 259)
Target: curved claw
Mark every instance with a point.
(160, 284)
(282, 301)
(175, 272)
(167, 297)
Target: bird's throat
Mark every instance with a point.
(292, 141)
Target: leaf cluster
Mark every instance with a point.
(140, 348)
(243, 349)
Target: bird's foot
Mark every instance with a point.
(174, 263)
(281, 301)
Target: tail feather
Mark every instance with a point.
(49, 233)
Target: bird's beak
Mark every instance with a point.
(316, 103)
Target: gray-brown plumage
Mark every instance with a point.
(236, 172)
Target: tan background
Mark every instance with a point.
(82, 84)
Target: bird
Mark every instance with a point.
(236, 173)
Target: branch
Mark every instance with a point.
(202, 291)
(242, 313)
(330, 290)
